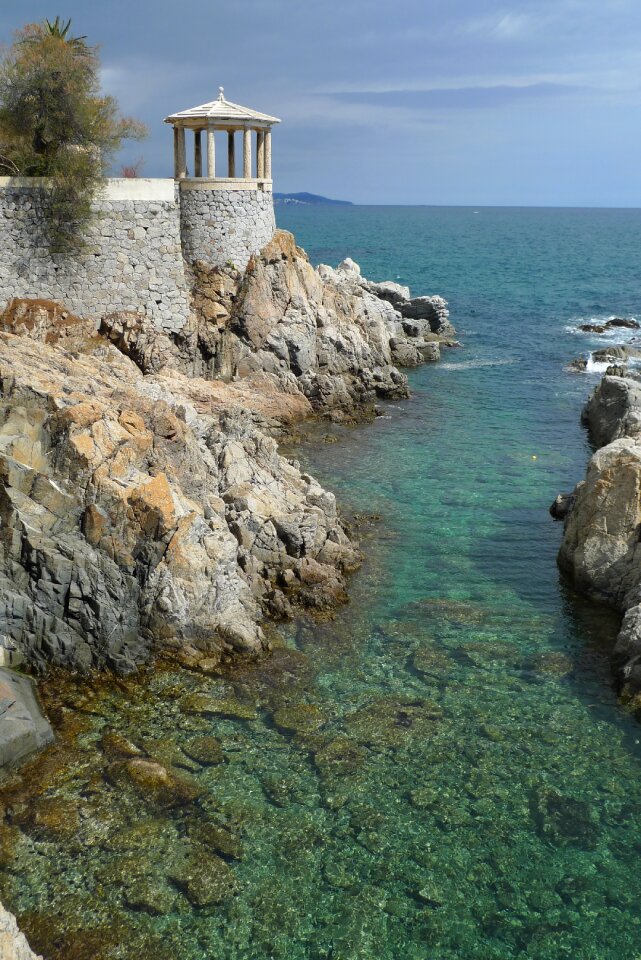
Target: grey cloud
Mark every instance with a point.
(460, 97)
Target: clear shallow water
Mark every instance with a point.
(441, 772)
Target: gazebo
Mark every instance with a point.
(223, 115)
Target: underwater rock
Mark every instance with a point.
(116, 746)
(208, 706)
(204, 750)
(50, 818)
(563, 820)
(153, 782)
(298, 718)
(392, 721)
(431, 662)
(222, 841)
(150, 895)
(206, 880)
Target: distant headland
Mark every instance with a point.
(309, 198)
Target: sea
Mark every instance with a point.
(443, 771)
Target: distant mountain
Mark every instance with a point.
(309, 198)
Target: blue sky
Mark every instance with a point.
(413, 101)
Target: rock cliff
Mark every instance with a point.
(601, 548)
(143, 502)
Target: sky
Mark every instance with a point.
(535, 102)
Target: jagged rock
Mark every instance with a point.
(130, 517)
(601, 542)
(578, 365)
(613, 410)
(601, 548)
(592, 327)
(43, 320)
(13, 944)
(141, 503)
(561, 506)
(431, 313)
(612, 354)
(23, 728)
(623, 322)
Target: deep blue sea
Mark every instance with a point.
(443, 772)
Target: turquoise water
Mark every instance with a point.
(441, 772)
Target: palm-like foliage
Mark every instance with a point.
(60, 30)
(55, 122)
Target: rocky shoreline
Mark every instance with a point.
(144, 500)
(600, 550)
(146, 508)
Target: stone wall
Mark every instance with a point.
(137, 246)
(225, 225)
(132, 261)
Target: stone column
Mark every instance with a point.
(268, 154)
(231, 153)
(211, 153)
(247, 153)
(198, 154)
(260, 154)
(181, 155)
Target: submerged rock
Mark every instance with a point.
(154, 783)
(204, 750)
(206, 880)
(563, 820)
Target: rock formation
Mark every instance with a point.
(143, 500)
(13, 944)
(143, 503)
(601, 548)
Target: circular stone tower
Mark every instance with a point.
(224, 219)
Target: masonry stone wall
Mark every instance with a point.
(144, 234)
(220, 225)
(132, 260)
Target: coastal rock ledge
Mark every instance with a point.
(601, 548)
(143, 500)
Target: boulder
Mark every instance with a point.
(561, 506)
(613, 410)
(23, 727)
(623, 322)
(601, 548)
(13, 943)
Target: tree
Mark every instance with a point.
(56, 123)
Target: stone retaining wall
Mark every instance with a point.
(225, 225)
(132, 261)
(136, 249)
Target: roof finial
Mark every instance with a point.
(221, 94)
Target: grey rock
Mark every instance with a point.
(613, 410)
(13, 944)
(23, 728)
(561, 506)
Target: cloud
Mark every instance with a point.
(465, 97)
